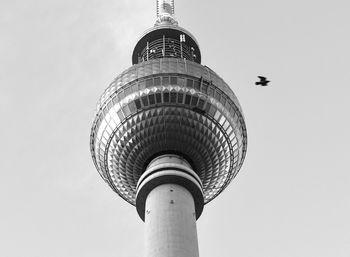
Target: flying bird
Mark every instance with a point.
(263, 82)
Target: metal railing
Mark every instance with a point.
(167, 48)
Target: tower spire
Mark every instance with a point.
(166, 13)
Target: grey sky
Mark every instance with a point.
(291, 198)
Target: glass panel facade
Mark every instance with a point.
(183, 94)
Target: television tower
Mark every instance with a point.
(169, 135)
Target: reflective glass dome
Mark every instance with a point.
(168, 105)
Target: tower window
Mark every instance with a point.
(197, 84)
(138, 103)
(132, 107)
(173, 97)
(180, 97)
(194, 101)
(217, 95)
(166, 97)
(165, 80)
(126, 110)
(189, 83)
(152, 99)
(201, 103)
(187, 99)
(149, 82)
(173, 80)
(120, 115)
(204, 87)
(144, 101)
(157, 81)
(158, 98)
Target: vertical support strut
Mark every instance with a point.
(182, 39)
(147, 50)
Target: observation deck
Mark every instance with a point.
(166, 41)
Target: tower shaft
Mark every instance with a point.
(169, 200)
(170, 223)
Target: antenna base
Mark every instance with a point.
(166, 20)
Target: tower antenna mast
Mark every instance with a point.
(166, 12)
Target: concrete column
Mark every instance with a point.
(169, 200)
(170, 221)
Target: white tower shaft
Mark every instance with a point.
(170, 200)
(170, 222)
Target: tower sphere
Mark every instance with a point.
(168, 103)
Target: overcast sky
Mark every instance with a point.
(292, 195)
